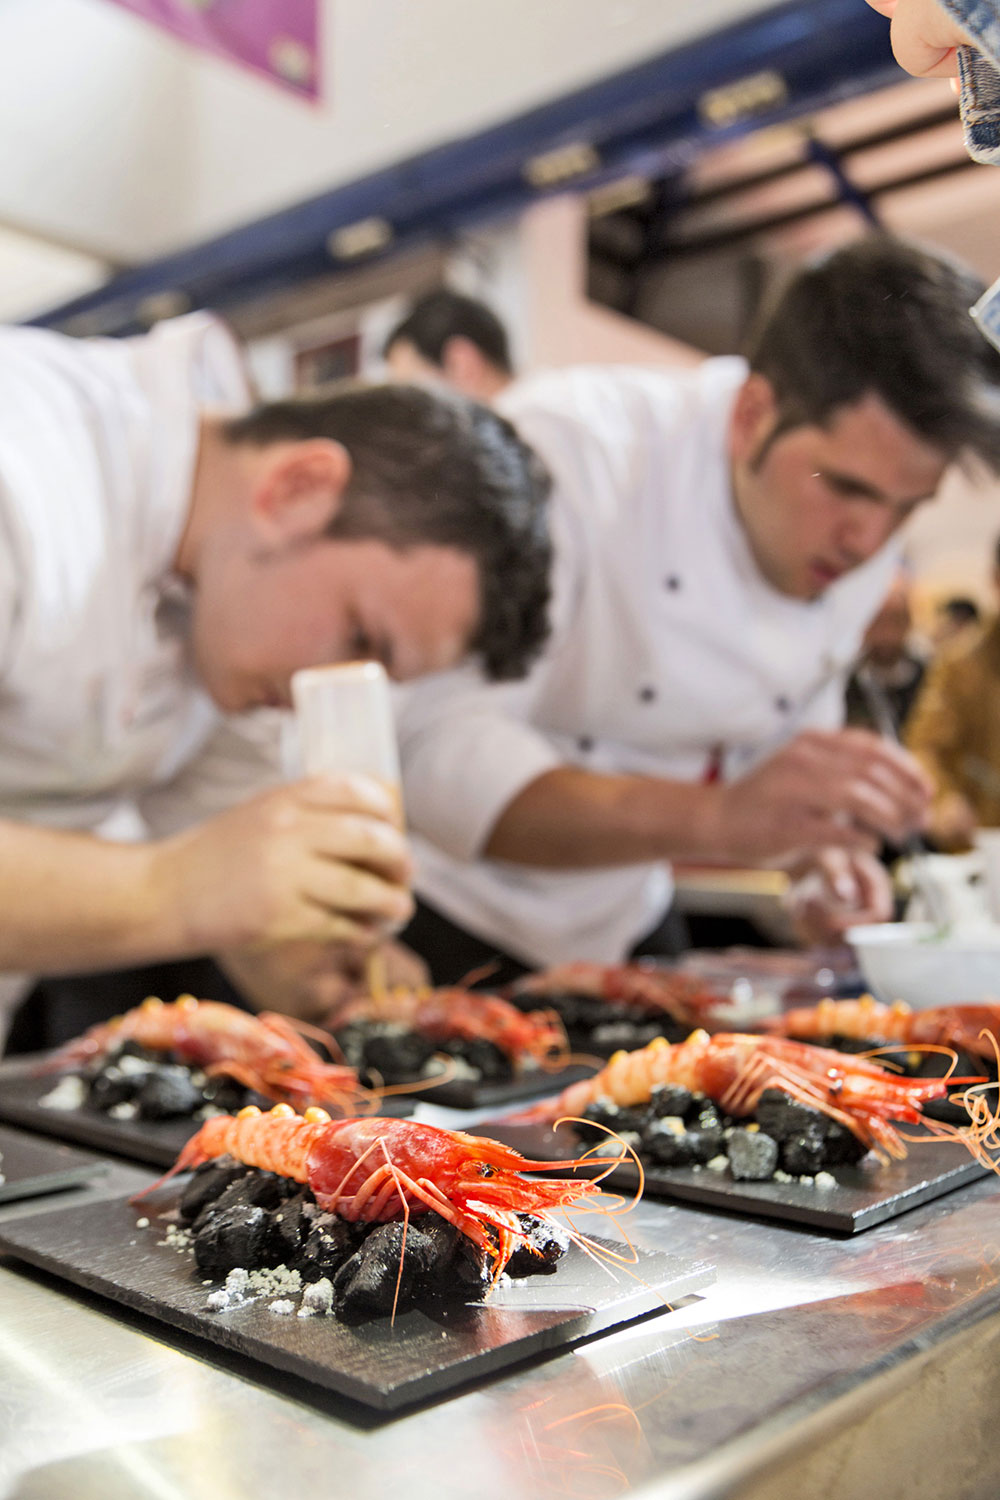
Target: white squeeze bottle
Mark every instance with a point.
(345, 725)
(345, 722)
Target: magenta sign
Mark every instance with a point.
(278, 38)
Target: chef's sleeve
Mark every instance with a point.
(827, 710)
(12, 576)
(242, 756)
(467, 751)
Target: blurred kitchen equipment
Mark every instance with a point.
(921, 874)
(988, 846)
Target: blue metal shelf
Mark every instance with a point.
(647, 119)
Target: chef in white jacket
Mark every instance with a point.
(722, 538)
(169, 556)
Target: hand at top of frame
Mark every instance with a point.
(924, 37)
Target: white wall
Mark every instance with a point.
(118, 139)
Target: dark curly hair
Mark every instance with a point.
(430, 468)
(885, 316)
(442, 315)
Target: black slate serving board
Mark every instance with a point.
(155, 1142)
(469, 1093)
(100, 1247)
(864, 1195)
(30, 1167)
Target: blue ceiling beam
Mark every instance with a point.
(653, 119)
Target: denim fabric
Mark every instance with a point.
(979, 75)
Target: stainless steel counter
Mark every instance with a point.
(816, 1367)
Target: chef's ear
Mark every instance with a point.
(299, 489)
(754, 418)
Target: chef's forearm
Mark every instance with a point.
(73, 901)
(574, 819)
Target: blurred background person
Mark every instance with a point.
(953, 618)
(889, 662)
(454, 340)
(954, 731)
(722, 539)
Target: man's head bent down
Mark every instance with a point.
(384, 521)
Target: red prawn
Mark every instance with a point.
(967, 1027)
(380, 1169)
(442, 1015)
(683, 997)
(266, 1052)
(735, 1069)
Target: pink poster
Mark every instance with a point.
(278, 38)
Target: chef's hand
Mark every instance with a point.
(835, 890)
(313, 980)
(924, 37)
(319, 861)
(844, 788)
(953, 822)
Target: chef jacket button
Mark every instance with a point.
(783, 705)
(672, 582)
(647, 694)
(584, 744)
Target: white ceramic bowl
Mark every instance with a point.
(908, 961)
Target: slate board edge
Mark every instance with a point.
(51, 1182)
(87, 1132)
(738, 1197)
(273, 1356)
(570, 1323)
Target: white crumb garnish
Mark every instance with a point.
(317, 1299)
(178, 1239)
(127, 1066)
(718, 1164)
(825, 1181)
(218, 1301)
(283, 1307)
(126, 1110)
(781, 1176)
(69, 1093)
(807, 1181)
(142, 1223)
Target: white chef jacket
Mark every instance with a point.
(669, 653)
(99, 706)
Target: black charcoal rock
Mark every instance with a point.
(668, 1147)
(238, 1237)
(168, 1091)
(544, 1248)
(208, 1183)
(753, 1155)
(805, 1154)
(291, 1223)
(492, 1065)
(255, 1189)
(669, 1099)
(328, 1243)
(397, 1058)
(787, 1120)
(373, 1280)
(111, 1087)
